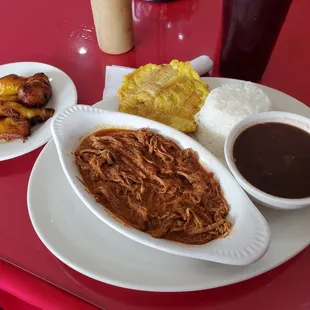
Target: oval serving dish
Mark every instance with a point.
(249, 238)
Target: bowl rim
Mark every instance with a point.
(247, 122)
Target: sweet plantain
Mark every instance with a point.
(11, 128)
(36, 92)
(17, 111)
(6, 98)
(10, 84)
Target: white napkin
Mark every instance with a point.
(114, 74)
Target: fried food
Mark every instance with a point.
(10, 84)
(17, 111)
(11, 128)
(36, 91)
(171, 94)
(21, 100)
(11, 98)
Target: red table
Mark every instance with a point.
(54, 32)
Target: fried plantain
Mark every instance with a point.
(38, 77)
(16, 110)
(171, 94)
(10, 84)
(12, 98)
(36, 92)
(11, 128)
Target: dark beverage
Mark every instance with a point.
(250, 30)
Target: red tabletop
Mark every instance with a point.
(54, 32)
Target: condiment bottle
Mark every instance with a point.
(113, 23)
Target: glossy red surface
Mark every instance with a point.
(54, 32)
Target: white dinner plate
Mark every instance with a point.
(64, 94)
(80, 240)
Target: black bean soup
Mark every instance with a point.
(275, 158)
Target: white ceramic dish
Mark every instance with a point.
(249, 238)
(80, 240)
(63, 95)
(258, 195)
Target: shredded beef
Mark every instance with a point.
(151, 184)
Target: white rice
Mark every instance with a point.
(225, 106)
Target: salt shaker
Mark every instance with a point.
(113, 23)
